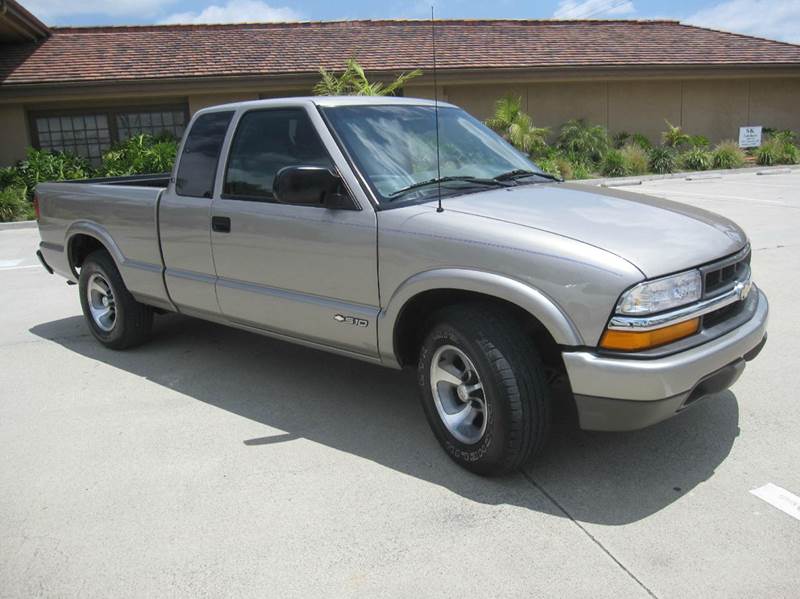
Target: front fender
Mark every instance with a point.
(502, 287)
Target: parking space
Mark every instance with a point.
(213, 462)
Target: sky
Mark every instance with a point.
(774, 19)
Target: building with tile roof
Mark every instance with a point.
(83, 88)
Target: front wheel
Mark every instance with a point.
(483, 389)
(114, 317)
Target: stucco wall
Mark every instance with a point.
(14, 136)
(715, 108)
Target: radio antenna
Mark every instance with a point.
(436, 113)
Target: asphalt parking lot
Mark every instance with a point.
(212, 462)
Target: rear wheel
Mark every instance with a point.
(114, 317)
(483, 389)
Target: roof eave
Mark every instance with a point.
(298, 78)
(23, 22)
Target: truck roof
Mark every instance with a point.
(328, 101)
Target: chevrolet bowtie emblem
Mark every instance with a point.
(742, 289)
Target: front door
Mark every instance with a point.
(308, 272)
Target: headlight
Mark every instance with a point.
(662, 294)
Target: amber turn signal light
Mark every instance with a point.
(639, 340)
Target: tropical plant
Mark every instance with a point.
(583, 143)
(353, 82)
(41, 166)
(698, 141)
(727, 154)
(778, 149)
(551, 166)
(619, 139)
(635, 159)
(580, 170)
(785, 137)
(696, 159)
(141, 154)
(565, 167)
(768, 154)
(613, 164)
(674, 136)
(14, 205)
(517, 127)
(791, 154)
(9, 175)
(662, 159)
(641, 140)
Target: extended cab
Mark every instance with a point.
(340, 223)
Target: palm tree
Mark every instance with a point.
(353, 82)
(582, 142)
(517, 127)
(674, 136)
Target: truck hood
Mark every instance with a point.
(657, 236)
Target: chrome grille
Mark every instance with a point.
(721, 276)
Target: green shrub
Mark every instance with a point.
(550, 165)
(565, 167)
(42, 166)
(662, 160)
(583, 143)
(620, 139)
(613, 164)
(635, 159)
(699, 141)
(14, 205)
(728, 154)
(641, 140)
(791, 154)
(778, 149)
(784, 137)
(768, 154)
(9, 176)
(674, 136)
(580, 171)
(139, 155)
(696, 159)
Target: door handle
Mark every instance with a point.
(221, 224)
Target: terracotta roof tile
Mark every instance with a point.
(177, 51)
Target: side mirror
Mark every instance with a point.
(309, 185)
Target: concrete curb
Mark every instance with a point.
(689, 175)
(20, 224)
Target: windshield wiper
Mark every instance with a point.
(491, 182)
(522, 173)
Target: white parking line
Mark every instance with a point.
(19, 267)
(780, 498)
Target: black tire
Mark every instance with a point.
(133, 321)
(514, 387)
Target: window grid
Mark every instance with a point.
(89, 134)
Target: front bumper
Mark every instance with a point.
(617, 394)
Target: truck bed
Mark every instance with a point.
(122, 212)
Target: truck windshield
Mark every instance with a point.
(394, 147)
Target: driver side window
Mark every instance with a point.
(265, 142)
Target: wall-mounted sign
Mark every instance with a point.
(749, 137)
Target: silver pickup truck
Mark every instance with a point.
(318, 221)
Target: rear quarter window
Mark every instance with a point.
(198, 163)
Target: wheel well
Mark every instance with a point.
(80, 246)
(415, 320)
